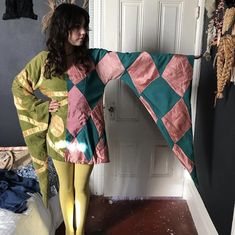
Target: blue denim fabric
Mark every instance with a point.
(29, 172)
(14, 191)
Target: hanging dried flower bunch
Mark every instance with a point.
(225, 63)
(221, 34)
(225, 54)
(229, 19)
(214, 28)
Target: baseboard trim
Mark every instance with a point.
(233, 225)
(201, 218)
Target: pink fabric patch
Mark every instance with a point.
(178, 74)
(109, 67)
(101, 151)
(76, 74)
(98, 117)
(143, 71)
(148, 107)
(177, 121)
(183, 158)
(78, 111)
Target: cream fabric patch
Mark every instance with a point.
(57, 126)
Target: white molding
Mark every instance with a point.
(96, 39)
(96, 23)
(139, 40)
(201, 218)
(178, 5)
(197, 63)
(233, 224)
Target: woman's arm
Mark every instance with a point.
(33, 114)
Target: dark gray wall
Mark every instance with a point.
(20, 40)
(215, 148)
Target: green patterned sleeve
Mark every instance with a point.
(33, 116)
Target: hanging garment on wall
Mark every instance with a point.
(11, 10)
(230, 3)
(76, 132)
(19, 8)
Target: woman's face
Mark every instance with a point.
(77, 36)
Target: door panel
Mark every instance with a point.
(141, 162)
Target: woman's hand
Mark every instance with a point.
(54, 106)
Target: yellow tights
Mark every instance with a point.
(74, 180)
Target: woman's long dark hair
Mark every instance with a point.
(65, 18)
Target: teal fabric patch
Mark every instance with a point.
(82, 85)
(69, 137)
(186, 98)
(160, 96)
(70, 85)
(89, 137)
(185, 144)
(191, 59)
(165, 133)
(97, 54)
(194, 177)
(161, 61)
(128, 58)
(94, 88)
(127, 80)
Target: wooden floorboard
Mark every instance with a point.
(138, 217)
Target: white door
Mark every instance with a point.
(141, 162)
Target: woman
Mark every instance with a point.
(70, 127)
(67, 47)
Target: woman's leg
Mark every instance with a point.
(81, 184)
(65, 171)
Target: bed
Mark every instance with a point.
(36, 220)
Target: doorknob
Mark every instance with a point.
(111, 109)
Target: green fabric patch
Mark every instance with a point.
(128, 58)
(161, 61)
(191, 59)
(185, 144)
(92, 88)
(97, 54)
(90, 137)
(160, 96)
(194, 177)
(186, 98)
(69, 137)
(70, 84)
(128, 81)
(165, 133)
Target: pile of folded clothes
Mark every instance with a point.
(18, 179)
(14, 191)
